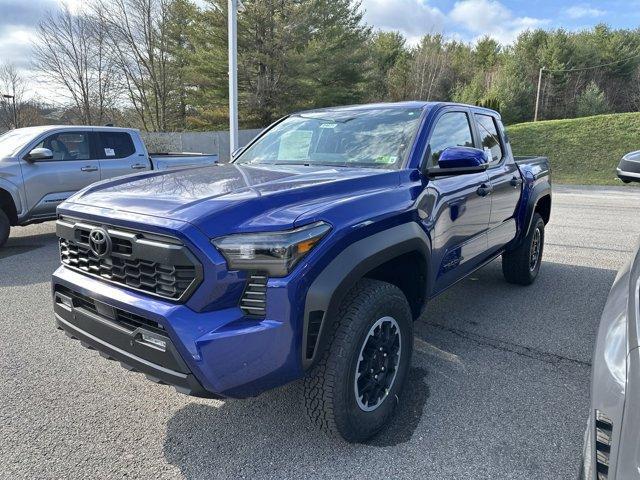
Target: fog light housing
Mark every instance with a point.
(154, 341)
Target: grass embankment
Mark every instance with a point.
(581, 150)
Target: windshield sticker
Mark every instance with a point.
(388, 159)
(328, 125)
(295, 145)
(109, 152)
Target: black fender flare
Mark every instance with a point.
(539, 190)
(9, 204)
(353, 263)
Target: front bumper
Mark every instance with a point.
(629, 168)
(100, 332)
(210, 353)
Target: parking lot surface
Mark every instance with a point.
(498, 389)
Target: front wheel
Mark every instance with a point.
(5, 227)
(522, 265)
(356, 386)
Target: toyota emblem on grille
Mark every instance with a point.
(100, 242)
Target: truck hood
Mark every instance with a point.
(240, 197)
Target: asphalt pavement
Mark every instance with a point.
(498, 389)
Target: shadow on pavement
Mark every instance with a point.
(549, 327)
(409, 412)
(38, 263)
(200, 438)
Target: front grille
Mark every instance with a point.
(160, 266)
(254, 298)
(125, 319)
(604, 431)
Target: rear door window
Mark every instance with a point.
(115, 145)
(490, 137)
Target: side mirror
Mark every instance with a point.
(460, 160)
(39, 154)
(629, 168)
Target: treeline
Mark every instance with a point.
(162, 64)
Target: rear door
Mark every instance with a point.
(118, 155)
(49, 182)
(505, 180)
(461, 212)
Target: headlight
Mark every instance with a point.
(273, 252)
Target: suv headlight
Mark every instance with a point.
(273, 252)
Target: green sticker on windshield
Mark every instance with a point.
(388, 159)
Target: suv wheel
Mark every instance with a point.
(522, 265)
(356, 386)
(5, 227)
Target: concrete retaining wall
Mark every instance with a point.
(199, 142)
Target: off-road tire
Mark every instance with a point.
(517, 264)
(329, 389)
(5, 227)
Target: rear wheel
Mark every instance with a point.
(5, 227)
(522, 265)
(355, 388)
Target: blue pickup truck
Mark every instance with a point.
(307, 257)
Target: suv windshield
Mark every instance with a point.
(14, 140)
(378, 138)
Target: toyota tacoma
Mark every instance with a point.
(40, 167)
(308, 257)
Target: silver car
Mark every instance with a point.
(612, 440)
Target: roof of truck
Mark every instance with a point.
(406, 104)
(47, 128)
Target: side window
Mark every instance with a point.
(68, 145)
(490, 137)
(115, 145)
(452, 130)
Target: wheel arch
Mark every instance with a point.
(8, 206)
(537, 199)
(399, 255)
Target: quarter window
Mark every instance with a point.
(68, 145)
(115, 145)
(452, 130)
(490, 137)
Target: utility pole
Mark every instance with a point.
(15, 110)
(233, 77)
(535, 115)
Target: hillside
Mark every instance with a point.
(581, 150)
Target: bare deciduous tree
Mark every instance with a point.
(12, 102)
(138, 32)
(71, 52)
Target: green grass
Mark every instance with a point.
(581, 150)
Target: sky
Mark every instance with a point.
(465, 20)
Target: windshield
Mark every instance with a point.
(14, 140)
(378, 138)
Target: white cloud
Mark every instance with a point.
(414, 18)
(584, 11)
(15, 45)
(492, 18)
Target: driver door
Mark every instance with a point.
(459, 219)
(49, 182)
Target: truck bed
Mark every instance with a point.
(536, 165)
(173, 160)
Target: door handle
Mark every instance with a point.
(138, 166)
(484, 190)
(89, 168)
(515, 182)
